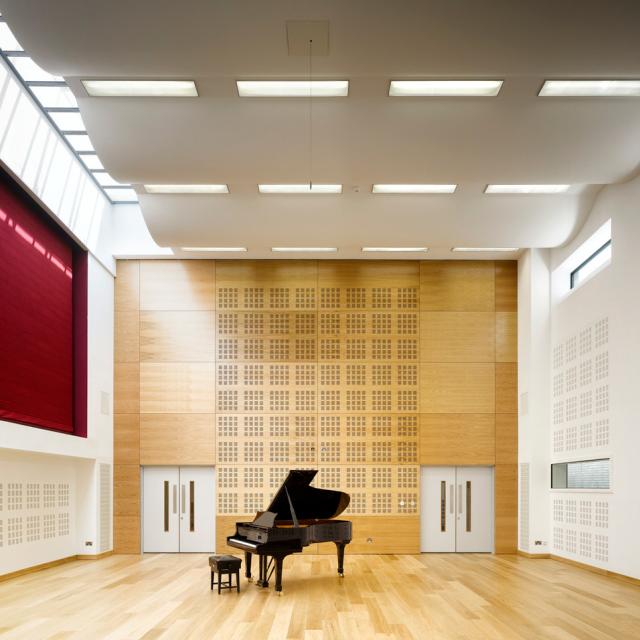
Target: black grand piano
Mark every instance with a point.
(299, 515)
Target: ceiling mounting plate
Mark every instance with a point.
(299, 32)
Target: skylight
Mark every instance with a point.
(57, 102)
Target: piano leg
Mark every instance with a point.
(262, 581)
(247, 565)
(340, 548)
(279, 560)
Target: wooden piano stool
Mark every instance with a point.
(225, 566)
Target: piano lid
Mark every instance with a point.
(309, 503)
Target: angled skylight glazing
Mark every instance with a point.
(57, 102)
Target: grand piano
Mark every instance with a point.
(299, 515)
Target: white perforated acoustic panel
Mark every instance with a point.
(524, 506)
(104, 493)
(580, 430)
(37, 513)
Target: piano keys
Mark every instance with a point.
(299, 515)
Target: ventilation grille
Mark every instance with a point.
(524, 506)
(105, 507)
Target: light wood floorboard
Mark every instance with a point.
(436, 596)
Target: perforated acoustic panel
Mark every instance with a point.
(105, 507)
(580, 390)
(314, 371)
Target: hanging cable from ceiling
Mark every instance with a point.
(310, 116)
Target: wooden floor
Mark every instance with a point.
(428, 596)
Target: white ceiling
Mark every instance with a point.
(365, 138)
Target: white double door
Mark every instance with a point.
(178, 512)
(456, 509)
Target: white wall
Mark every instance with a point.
(593, 328)
(533, 376)
(27, 452)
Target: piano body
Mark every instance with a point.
(299, 515)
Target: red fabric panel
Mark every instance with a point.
(80, 350)
(36, 316)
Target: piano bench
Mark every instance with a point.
(225, 566)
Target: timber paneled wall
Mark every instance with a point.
(364, 370)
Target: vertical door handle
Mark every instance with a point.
(183, 498)
(166, 505)
(443, 506)
(192, 505)
(468, 505)
(451, 499)
(459, 499)
(175, 498)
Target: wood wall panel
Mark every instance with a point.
(465, 285)
(506, 336)
(507, 438)
(362, 369)
(506, 387)
(126, 438)
(127, 285)
(506, 276)
(176, 387)
(177, 336)
(127, 336)
(177, 439)
(177, 285)
(457, 439)
(126, 387)
(506, 508)
(380, 534)
(126, 533)
(457, 388)
(455, 336)
(126, 489)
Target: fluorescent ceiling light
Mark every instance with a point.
(292, 88)
(527, 188)
(300, 188)
(590, 88)
(483, 249)
(394, 249)
(186, 188)
(215, 249)
(304, 249)
(141, 88)
(414, 188)
(453, 88)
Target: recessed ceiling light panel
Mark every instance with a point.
(444, 88)
(527, 188)
(141, 88)
(304, 249)
(216, 249)
(394, 249)
(413, 188)
(292, 88)
(590, 88)
(186, 188)
(484, 249)
(300, 188)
